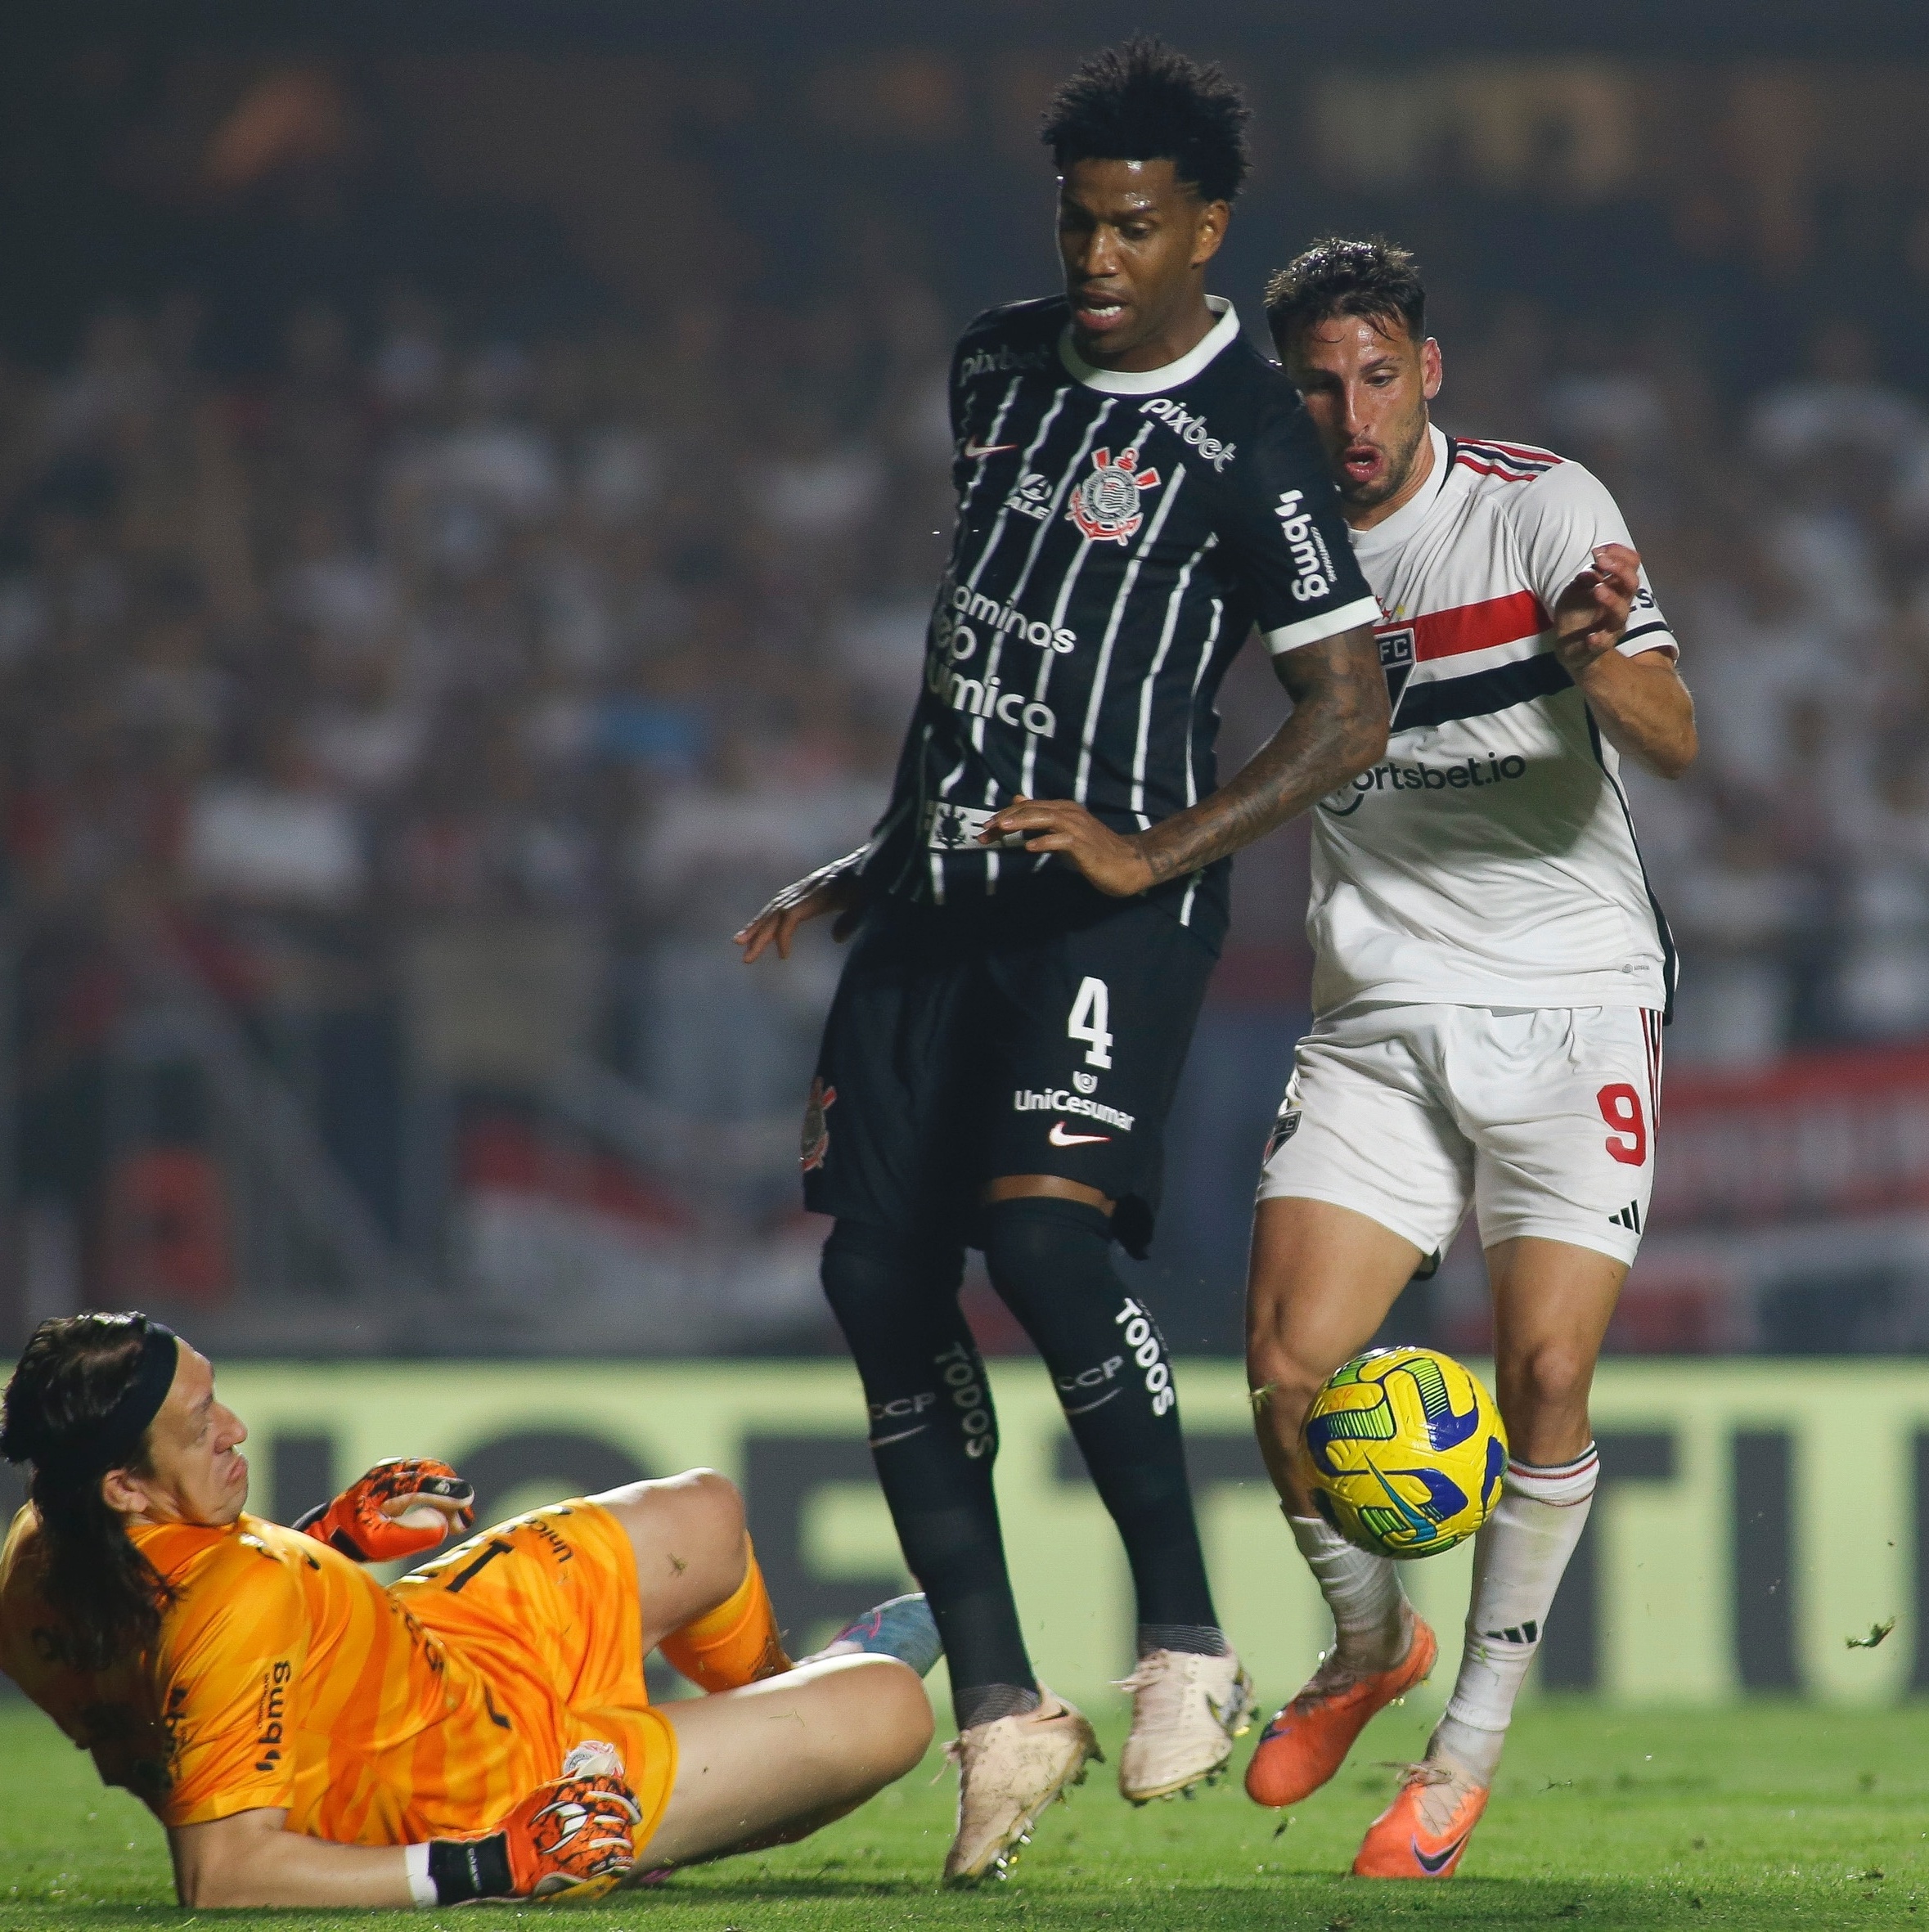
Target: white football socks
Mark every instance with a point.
(1361, 1590)
(1518, 1559)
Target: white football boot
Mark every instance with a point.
(1186, 1711)
(1008, 1771)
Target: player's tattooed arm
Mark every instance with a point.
(832, 888)
(1642, 707)
(1338, 729)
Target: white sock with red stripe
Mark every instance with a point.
(1361, 1590)
(1519, 1561)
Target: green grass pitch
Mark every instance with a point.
(1769, 1816)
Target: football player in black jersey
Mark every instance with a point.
(1038, 911)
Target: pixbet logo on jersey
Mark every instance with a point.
(1192, 429)
(1001, 361)
(1311, 557)
(1105, 505)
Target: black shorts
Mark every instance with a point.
(1042, 1031)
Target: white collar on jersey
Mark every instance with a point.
(1154, 382)
(1412, 514)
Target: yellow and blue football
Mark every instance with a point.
(1407, 1450)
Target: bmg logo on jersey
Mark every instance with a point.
(1312, 560)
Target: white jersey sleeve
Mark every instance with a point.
(1558, 520)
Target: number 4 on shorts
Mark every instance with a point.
(1091, 1017)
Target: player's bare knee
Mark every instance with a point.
(897, 1715)
(705, 1510)
(1550, 1378)
(719, 1499)
(701, 1513)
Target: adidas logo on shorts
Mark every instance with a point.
(1630, 1218)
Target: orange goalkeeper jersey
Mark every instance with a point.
(287, 1676)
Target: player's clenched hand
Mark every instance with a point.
(571, 1833)
(1592, 610)
(1116, 865)
(841, 893)
(576, 1835)
(404, 1505)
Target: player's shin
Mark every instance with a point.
(1519, 1558)
(1050, 1260)
(934, 1438)
(1362, 1589)
(736, 1643)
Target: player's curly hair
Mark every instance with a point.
(1146, 102)
(1376, 279)
(107, 1596)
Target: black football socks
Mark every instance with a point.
(1051, 1261)
(934, 1438)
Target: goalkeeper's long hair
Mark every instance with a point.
(107, 1596)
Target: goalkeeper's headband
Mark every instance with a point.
(113, 1441)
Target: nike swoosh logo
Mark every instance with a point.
(1440, 1859)
(974, 449)
(1060, 1138)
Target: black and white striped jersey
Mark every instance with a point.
(1118, 535)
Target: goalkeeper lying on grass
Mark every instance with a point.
(478, 1729)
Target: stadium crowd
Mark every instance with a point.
(619, 628)
(614, 628)
(625, 626)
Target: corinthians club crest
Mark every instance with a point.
(1105, 505)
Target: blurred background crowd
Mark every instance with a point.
(467, 520)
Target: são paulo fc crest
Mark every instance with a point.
(1284, 1128)
(1105, 505)
(1397, 659)
(814, 1142)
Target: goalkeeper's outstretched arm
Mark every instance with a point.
(250, 1858)
(576, 1832)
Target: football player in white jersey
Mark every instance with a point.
(1492, 980)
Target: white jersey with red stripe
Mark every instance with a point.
(1488, 859)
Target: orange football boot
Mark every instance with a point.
(1309, 1739)
(1423, 1831)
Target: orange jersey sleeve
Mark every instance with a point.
(226, 1677)
(286, 1677)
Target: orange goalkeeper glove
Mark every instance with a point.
(572, 1833)
(406, 1505)
(576, 1834)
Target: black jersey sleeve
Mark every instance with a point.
(1284, 534)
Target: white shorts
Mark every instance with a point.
(1542, 1118)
